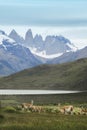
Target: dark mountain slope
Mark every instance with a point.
(67, 76)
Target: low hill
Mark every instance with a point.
(67, 76)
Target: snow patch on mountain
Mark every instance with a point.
(6, 38)
(43, 53)
(73, 48)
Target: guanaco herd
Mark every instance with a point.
(33, 108)
(68, 109)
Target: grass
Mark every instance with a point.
(12, 118)
(67, 76)
(42, 121)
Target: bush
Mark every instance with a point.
(10, 109)
(49, 110)
(1, 117)
(18, 108)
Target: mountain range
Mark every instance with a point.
(14, 57)
(18, 53)
(50, 47)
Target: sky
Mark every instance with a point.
(56, 17)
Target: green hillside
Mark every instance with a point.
(67, 76)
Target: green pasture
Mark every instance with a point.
(41, 121)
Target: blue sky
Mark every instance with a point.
(43, 12)
(46, 13)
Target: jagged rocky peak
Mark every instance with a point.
(38, 42)
(29, 34)
(38, 37)
(57, 38)
(15, 36)
(13, 32)
(63, 39)
(29, 38)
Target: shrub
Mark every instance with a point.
(10, 109)
(18, 108)
(49, 110)
(1, 116)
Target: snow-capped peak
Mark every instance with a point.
(4, 39)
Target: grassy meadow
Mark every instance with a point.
(13, 119)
